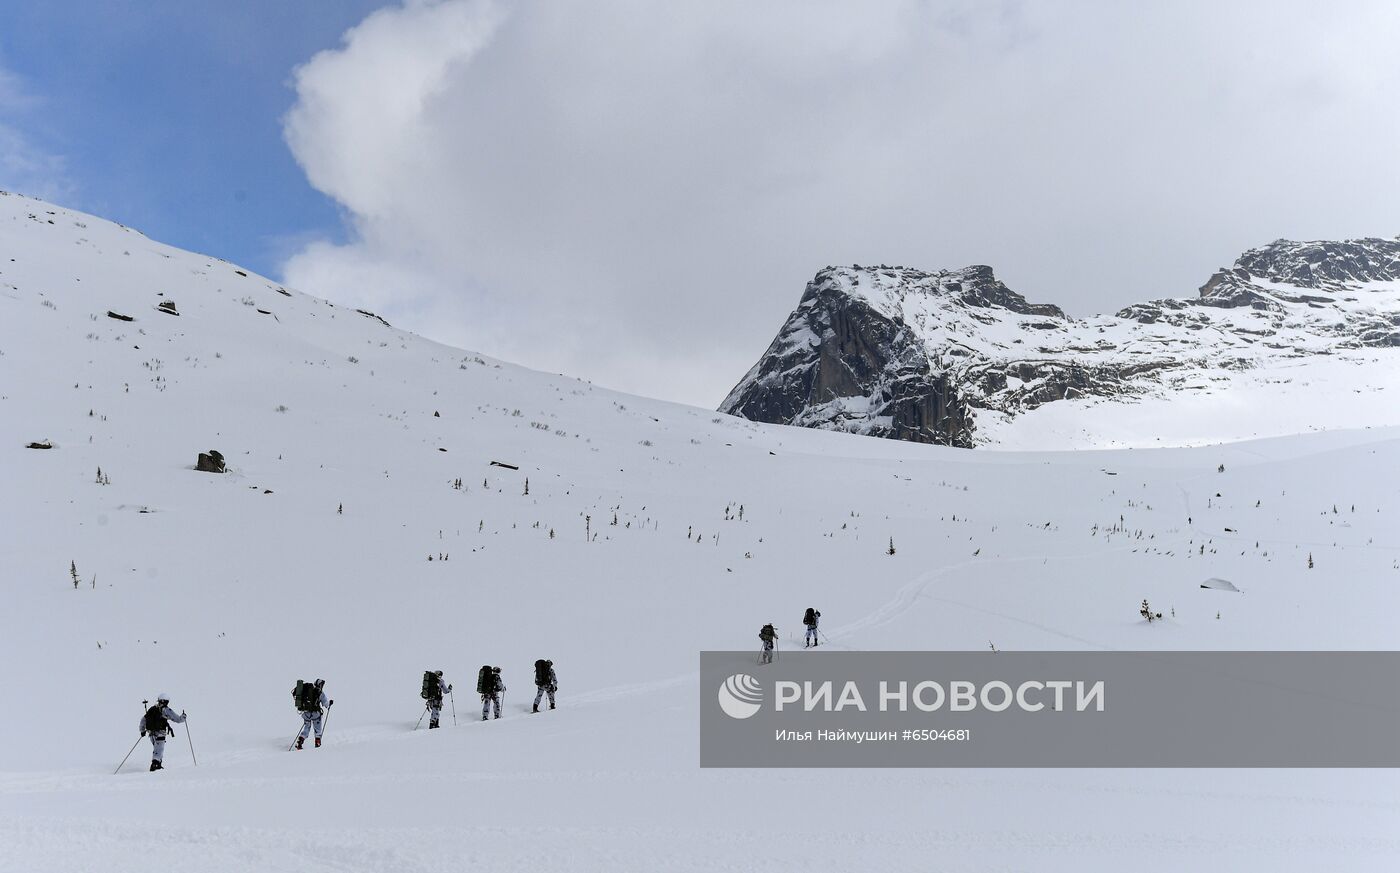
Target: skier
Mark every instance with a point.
(156, 722)
(768, 635)
(810, 619)
(309, 698)
(433, 690)
(545, 683)
(490, 686)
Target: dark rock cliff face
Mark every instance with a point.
(861, 354)
(847, 361)
(1324, 264)
(913, 355)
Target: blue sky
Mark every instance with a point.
(167, 115)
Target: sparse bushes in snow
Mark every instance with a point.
(1146, 612)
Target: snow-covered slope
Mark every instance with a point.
(345, 439)
(957, 358)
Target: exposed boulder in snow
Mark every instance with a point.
(210, 462)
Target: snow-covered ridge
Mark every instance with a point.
(957, 358)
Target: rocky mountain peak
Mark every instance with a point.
(951, 356)
(897, 291)
(1323, 264)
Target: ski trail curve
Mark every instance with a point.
(911, 592)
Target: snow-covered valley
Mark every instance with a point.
(362, 534)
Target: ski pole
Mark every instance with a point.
(144, 705)
(420, 716)
(128, 755)
(327, 722)
(191, 739)
(453, 698)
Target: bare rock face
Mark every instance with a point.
(849, 360)
(908, 354)
(210, 462)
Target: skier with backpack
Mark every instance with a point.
(309, 698)
(769, 636)
(490, 686)
(810, 619)
(156, 722)
(545, 682)
(433, 690)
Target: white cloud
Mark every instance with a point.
(24, 166)
(636, 193)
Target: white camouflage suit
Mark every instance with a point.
(550, 686)
(435, 703)
(490, 700)
(310, 720)
(158, 736)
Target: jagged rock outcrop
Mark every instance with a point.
(913, 355)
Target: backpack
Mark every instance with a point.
(155, 719)
(767, 633)
(486, 681)
(542, 672)
(810, 618)
(431, 687)
(306, 697)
